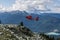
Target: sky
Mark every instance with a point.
(43, 6)
(7, 3)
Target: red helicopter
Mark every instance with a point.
(31, 18)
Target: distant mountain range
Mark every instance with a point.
(47, 21)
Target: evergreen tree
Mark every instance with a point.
(21, 23)
(0, 21)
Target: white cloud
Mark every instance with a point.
(52, 33)
(28, 5)
(55, 30)
(32, 5)
(56, 10)
(2, 8)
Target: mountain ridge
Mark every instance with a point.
(46, 21)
